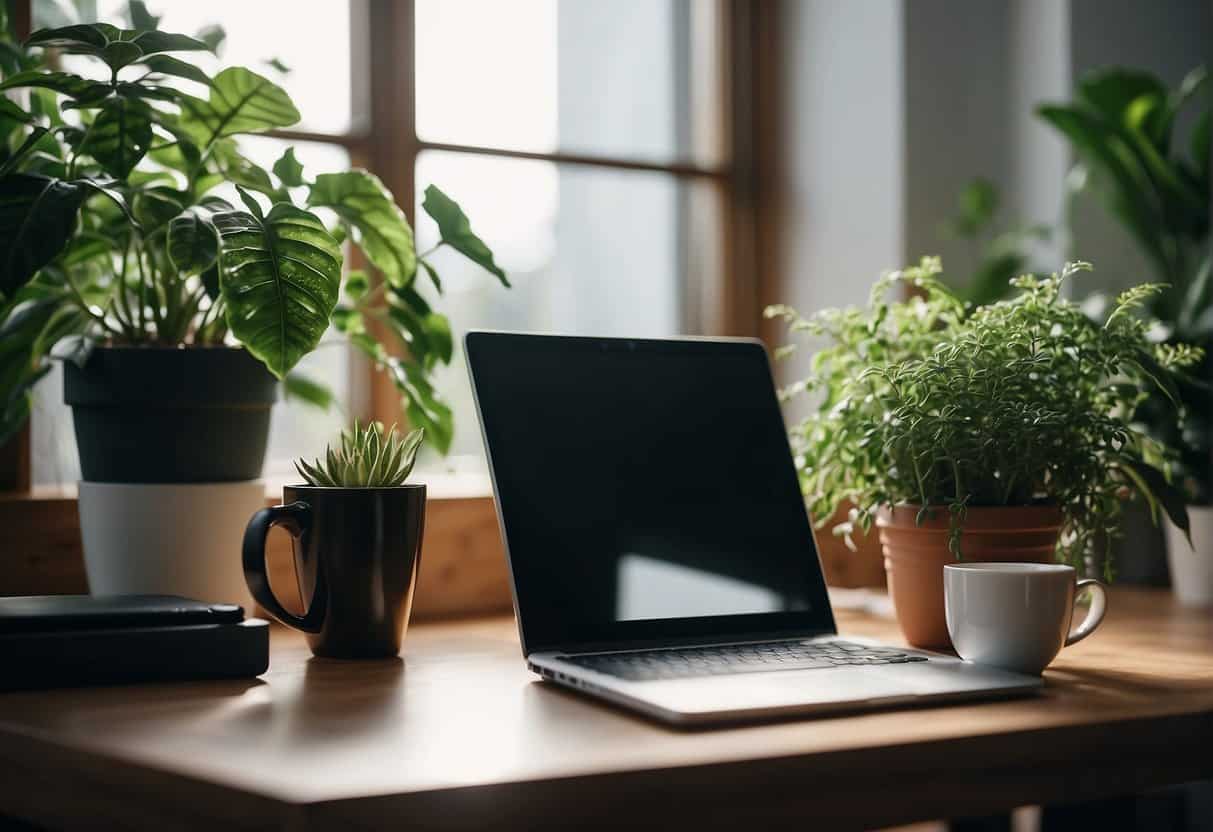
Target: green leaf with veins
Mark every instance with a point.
(380, 228)
(64, 83)
(168, 65)
(192, 241)
(240, 102)
(116, 47)
(120, 136)
(37, 219)
(279, 280)
(456, 231)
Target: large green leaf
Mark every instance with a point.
(37, 217)
(168, 65)
(1130, 195)
(1114, 93)
(240, 170)
(64, 83)
(456, 231)
(240, 102)
(279, 279)
(117, 47)
(380, 228)
(193, 241)
(120, 136)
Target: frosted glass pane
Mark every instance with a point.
(626, 78)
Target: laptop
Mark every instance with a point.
(660, 552)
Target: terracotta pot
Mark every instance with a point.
(914, 556)
(843, 568)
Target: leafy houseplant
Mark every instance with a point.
(1001, 432)
(177, 311)
(114, 236)
(357, 530)
(1124, 128)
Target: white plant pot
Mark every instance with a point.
(1192, 566)
(168, 538)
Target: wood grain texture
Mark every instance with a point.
(459, 735)
(463, 570)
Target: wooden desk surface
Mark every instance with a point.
(461, 736)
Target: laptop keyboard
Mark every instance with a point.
(717, 660)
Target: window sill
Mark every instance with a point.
(463, 569)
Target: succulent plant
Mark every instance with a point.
(368, 457)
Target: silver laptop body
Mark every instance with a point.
(650, 510)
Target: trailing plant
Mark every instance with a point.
(1122, 126)
(111, 231)
(927, 401)
(368, 457)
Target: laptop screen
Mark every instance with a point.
(646, 490)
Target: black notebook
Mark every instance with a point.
(72, 640)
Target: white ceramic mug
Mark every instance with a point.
(1016, 615)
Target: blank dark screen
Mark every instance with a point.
(646, 488)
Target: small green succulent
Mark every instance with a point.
(369, 457)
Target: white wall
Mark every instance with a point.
(842, 218)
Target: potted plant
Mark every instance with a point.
(356, 527)
(1124, 127)
(178, 312)
(998, 433)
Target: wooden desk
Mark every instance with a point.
(461, 736)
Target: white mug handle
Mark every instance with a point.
(1099, 605)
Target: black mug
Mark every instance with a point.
(357, 552)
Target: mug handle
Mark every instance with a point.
(1099, 605)
(296, 518)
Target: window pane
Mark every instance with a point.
(314, 46)
(628, 78)
(588, 250)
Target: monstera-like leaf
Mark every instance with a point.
(37, 218)
(279, 278)
(380, 229)
(240, 102)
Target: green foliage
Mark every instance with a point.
(280, 275)
(365, 206)
(999, 256)
(1026, 400)
(1121, 125)
(110, 232)
(456, 231)
(369, 457)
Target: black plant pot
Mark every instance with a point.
(170, 415)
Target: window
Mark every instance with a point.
(592, 144)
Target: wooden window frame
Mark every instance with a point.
(44, 521)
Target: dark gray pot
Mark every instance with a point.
(167, 414)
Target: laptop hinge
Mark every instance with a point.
(653, 644)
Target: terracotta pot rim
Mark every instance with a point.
(1041, 516)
